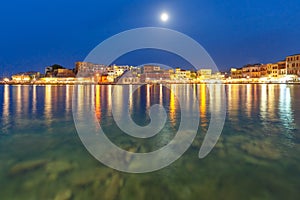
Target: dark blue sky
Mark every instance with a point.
(35, 34)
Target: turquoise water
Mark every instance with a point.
(256, 157)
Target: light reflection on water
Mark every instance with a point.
(285, 110)
(257, 156)
(48, 104)
(263, 101)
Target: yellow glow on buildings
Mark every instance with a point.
(59, 80)
(21, 78)
(293, 64)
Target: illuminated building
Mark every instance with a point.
(251, 71)
(65, 73)
(21, 78)
(155, 76)
(282, 68)
(128, 78)
(264, 71)
(152, 73)
(274, 70)
(248, 71)
(26, 77)
(218, 76)
(84, 69)
(56, 80)
(255, 70)
(102, 78)
(181, 74)
(204, 73)
(293, 64)
(150, 69)
(6, 80)
(236, 73)
(115, 71)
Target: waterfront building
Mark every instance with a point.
(115, 71)
(264, 71)
(5, 80)
(255, 71)
(85, 69)
(25, 77)
(182, 75)
(245, 72)
(65, 73)
(155, 76)
(101, 79)
(269, 67)
(236, 73)
(293, 64)
(282, 69)
(203, 74)
(273, 70)
(172, 74)
(128, 78)
(193, 75)
(136, 71)
(251, 71)
(150, 69)
(20, 78)
(152, 73)
(217, 76)
(56, 80)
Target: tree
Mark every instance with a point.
(57, 66)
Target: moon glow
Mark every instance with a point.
(164, 17)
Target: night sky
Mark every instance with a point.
(35, 33)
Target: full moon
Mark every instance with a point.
(164, 17)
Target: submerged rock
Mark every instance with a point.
(27, 166)
(57, 167)
(113, 188)
(85, 178)
(35, 181)
(262, 149)
(64, 195)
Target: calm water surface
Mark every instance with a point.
(256, 157)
